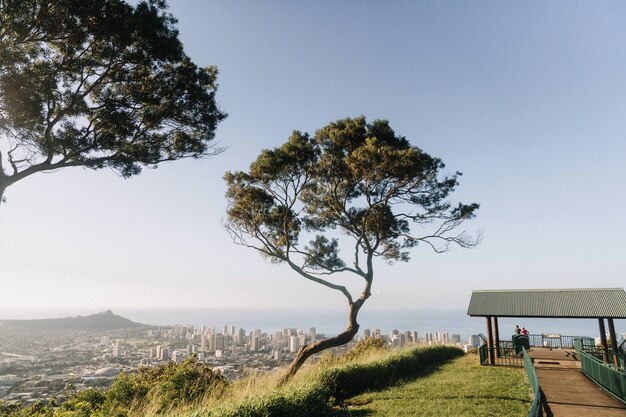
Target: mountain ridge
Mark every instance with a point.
(104, 320)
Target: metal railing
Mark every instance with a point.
(552, 341)
(483, 354)
(503, 356)
(535, 407)
(607, 376)
(588, 346)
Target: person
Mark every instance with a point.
(524, 331)
(517, 329)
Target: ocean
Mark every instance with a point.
(331, 322)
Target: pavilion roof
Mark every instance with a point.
(553, 303)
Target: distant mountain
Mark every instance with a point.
(105, 320)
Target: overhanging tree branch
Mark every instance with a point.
(100, 84)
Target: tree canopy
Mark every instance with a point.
(353, 187)
(98, 83)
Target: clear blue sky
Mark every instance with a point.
(527, 99)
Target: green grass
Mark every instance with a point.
(459, 388)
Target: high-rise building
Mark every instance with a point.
(367, 333)
(473, 340)
(177, 357)
(277, 341)
(117, 349)
(104, 341)
(312, 334)
(211, 339)
(219, 342)
(254, 343)
(294, 344)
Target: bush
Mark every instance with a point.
(353, 379)
(157, 388)
(364, 347)
(167, 385)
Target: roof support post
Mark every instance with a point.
(496, 334)
(492, 360)
(605, 346)
(613, 341)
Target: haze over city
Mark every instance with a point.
(528, 100)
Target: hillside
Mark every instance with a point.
(105, 320)
(369, 380)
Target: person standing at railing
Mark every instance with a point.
(524, 331)
(517, 329)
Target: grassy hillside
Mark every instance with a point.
(369, 380)
(459, 388)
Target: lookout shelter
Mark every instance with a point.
(568, 303)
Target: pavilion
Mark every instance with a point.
(587, 303)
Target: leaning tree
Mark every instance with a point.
(352, 186)
(98, 83)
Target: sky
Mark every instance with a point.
(527, 99)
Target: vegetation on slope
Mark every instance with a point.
(326, 388)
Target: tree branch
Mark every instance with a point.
(323, 282)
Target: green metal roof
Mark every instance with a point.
(564, 303)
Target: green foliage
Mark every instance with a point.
(358, 177)
(167, 386)
(157, 388)
(99, 83)
(364, 347)
(352, 379)
(16, 410)
(298, 403)
(353, 186)
(336, 383)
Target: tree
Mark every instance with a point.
(383, 195)
(97, 84)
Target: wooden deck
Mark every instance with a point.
(568, 392)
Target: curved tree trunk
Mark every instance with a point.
(342, 338)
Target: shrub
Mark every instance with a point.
(352, 379)
(337, 383)
(364, 347)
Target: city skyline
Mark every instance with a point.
(527, 101)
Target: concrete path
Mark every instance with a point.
(568, 391)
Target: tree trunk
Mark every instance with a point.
(342, 338)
